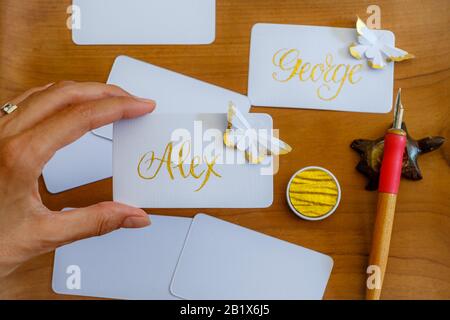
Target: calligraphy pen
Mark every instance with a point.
(390, 173)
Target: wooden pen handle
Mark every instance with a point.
(380, 242)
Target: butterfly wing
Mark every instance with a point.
(236, 127)
(366, 46)
(395, 54)
(366, 35)
(358, 50)
(238, 134)
(375, 58)
(255, 152)
(265, 144)
(274, 145)
(236, 119)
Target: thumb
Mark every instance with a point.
(96, 220)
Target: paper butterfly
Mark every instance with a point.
(256, 144)
(374, 48)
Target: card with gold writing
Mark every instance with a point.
(311, 67)
(180, 161)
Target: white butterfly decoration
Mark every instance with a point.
(256, 144)
(374, 49)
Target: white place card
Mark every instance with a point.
(143, 22)
(123, 264)
(311, 67)
(180, 161)
(222, 261)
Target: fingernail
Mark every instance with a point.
(136, 222)
(145, 100)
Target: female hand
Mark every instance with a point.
(47, 119)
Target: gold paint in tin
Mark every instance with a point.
(313, 193)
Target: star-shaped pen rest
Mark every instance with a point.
(371, 152)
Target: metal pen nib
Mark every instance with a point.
(398, 111)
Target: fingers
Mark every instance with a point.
(26, 94)
(67, 126)
(29, 92)
(37, 105)
(96, 220)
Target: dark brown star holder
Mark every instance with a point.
(371, 152)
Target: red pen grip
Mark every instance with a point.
(391, 166)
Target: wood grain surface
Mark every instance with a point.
(36, 48)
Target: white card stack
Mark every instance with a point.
(182, 258)
(67, 170)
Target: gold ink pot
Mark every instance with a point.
(313, 193)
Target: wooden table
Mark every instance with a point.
(36, 48)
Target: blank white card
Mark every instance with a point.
(143, 21)
(123, 264)
(223, 261)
